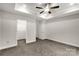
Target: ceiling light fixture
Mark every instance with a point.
(47, 8)
(46, 16)
(46, 12)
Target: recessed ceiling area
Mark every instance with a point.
(30, 9)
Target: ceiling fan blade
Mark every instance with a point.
(54, 7)
(39, 7)
(41, 12)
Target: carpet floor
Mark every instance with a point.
(40, 48)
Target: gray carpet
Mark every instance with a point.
(40, 48)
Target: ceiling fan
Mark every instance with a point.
(47, 8)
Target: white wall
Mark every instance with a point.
(26, 29)
(65, 31)
(37, 28)
(10, 33)
(0, 28)
(21, 29)
(31, 31)
(42, 30)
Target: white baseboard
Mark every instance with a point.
(1, 48)
(75, 45)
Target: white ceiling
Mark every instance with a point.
(29, 9)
